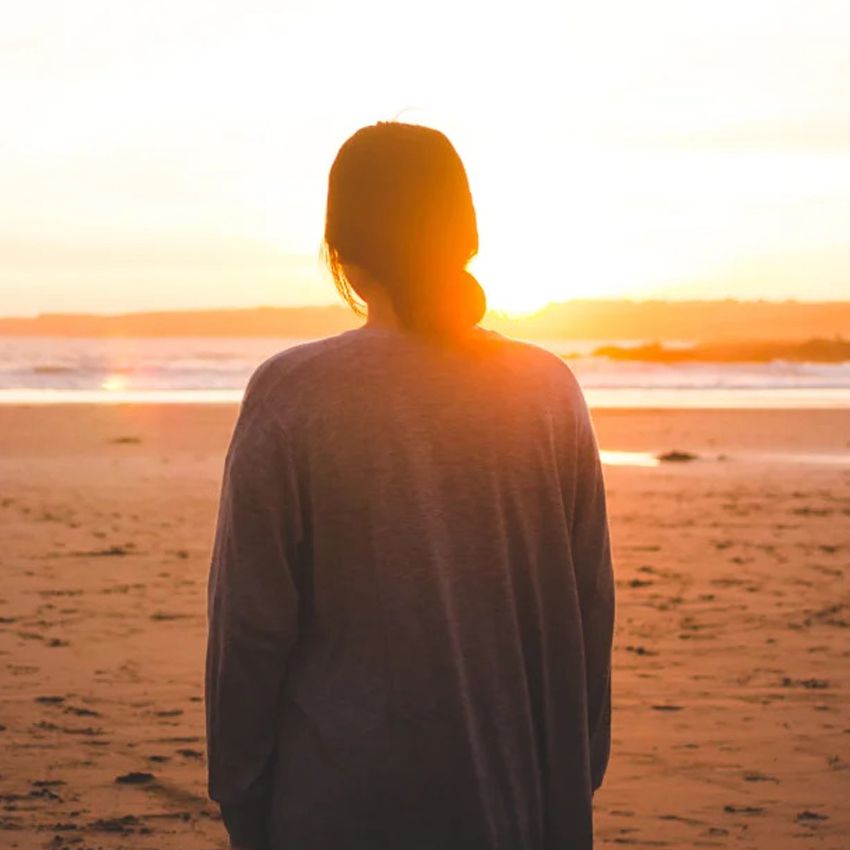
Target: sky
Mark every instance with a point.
(174, 153)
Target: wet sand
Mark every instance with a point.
(732, 657)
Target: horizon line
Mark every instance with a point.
(502, 313)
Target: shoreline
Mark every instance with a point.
(620, 398)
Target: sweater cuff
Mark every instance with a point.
(245, 823)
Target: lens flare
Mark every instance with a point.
(114, 383)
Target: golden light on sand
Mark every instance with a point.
(114, 383)
(615, 457)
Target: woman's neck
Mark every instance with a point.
(381, 314)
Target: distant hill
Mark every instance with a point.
(301, 322)
(578, 320)
(686, 320)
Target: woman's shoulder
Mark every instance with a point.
(286, 366)
(531, 360)
(312, 370)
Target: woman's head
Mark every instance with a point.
(400, 210)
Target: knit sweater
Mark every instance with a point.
(411, 600)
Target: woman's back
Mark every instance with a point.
(411, 599)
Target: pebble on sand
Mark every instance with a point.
(676, 456)
(135, 777)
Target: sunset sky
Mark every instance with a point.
(175, 154)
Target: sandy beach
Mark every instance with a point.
(732, 653)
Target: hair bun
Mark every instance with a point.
(472, 301)
(451, 306)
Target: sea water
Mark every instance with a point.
(37, 370)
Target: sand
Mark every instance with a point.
(732, 657)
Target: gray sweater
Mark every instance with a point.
(410, 601)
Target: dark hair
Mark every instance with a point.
(399, 206)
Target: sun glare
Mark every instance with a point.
(114, 383)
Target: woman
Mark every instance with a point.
(411, 596)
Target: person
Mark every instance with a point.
(411, 597)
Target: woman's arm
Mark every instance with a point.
(595, 580)
(253, 620)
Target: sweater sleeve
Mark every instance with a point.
(595, 580)
(252, 619)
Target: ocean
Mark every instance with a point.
(41, 370)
